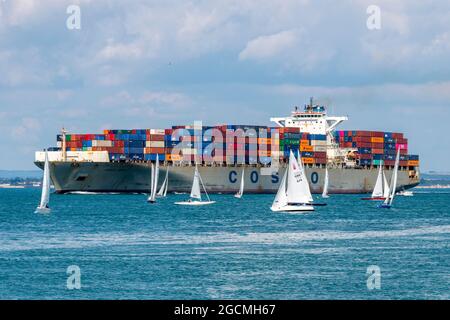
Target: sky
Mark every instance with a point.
(154, 64)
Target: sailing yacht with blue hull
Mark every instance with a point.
(387, 204)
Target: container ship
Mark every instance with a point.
(120, 160)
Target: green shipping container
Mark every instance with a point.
(377, 162)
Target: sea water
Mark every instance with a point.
(126, 248)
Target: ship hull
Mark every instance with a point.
(135, 178)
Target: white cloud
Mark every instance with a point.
(265, 47)
(120, 51)
(27, 130)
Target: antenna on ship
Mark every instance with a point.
(64, 153)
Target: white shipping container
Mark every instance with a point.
(318, 143)
(157, 131)
(320, 148)
(154, 144)
(102, 143)
(73, 156)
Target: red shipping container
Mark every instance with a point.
(320, 154)
(156, 137)
(320, 160)
(366, 156)
(397, 135)
(377, 145)
(377, 134)
(362, 133)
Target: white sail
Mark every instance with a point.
(154, 180)
(325, 185)
(378, 189)
(281, 198)
(241, 187)
(303, 173)
(195, 191)
(45, 196)
(393, 185)
(386, 190)
(163, 190)
(297, 185)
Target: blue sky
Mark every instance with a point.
(148, 64)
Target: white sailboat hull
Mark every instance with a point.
(293, 208)
(41, 210)
(238, 196)
(194, 203)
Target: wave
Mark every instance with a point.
(69, 241)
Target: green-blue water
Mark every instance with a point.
(235, 249)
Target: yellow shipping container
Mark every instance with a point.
(377, 140)
(306, 148)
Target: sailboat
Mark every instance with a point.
(381, 190)
(196, 194)
(163, 190)
(154, 181)
(325, 185)
(293, 194)
(45, 196)
(390, 198)
(241, 188)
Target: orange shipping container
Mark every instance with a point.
(306, 148)
(264, 140)
(377, 140)
(413, 163)
(308, 160)
(377, 151)
(264, 153)
(173, 157)
(304, 142)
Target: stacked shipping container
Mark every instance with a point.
(375, 148)
(239, 144)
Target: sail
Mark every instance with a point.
(393, 185)
(378, 189)
(152, 184)
(386, 190)
(394, 178)
(45, 196)
(297, 185)
(325, 184)
(281, 199)
(303, 174)
(241, 188)
(163, 189)
(167, 182)
(195, 191)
